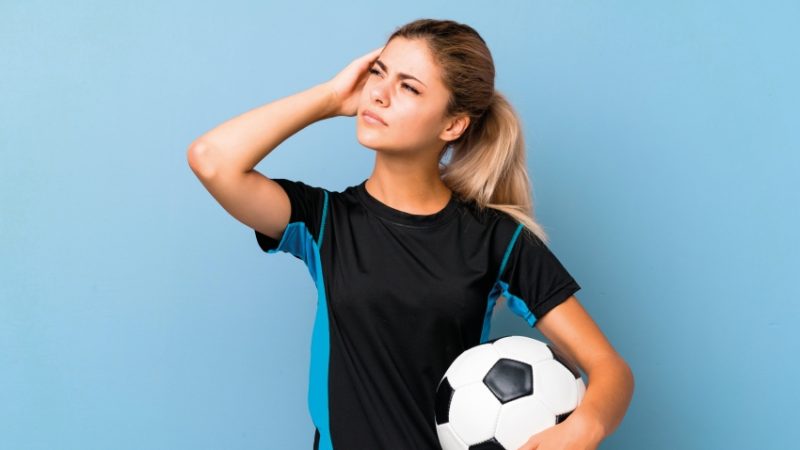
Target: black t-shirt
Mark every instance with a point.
(399, 297)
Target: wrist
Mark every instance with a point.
(330, 102)
(591, 426)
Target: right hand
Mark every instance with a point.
(346, 86)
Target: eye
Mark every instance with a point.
(408, 86)
(405, 85)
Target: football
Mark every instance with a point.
(498, 394)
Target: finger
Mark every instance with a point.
(533, 443)
(374, 54)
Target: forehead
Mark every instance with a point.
(410, 56)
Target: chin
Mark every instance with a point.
(370, 144)
(369, 138)
(379, 141)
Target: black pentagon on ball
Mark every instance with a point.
(444, 395)
(491, 444)
(509, 379)
(559, 356)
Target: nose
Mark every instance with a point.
(377, 94)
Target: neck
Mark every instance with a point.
(408, 185)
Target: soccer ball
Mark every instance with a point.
(496, 395)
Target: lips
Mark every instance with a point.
(371, 114)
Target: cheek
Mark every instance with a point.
(423, 123)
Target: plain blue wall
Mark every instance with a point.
(135, 313)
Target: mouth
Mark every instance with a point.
(371, 118)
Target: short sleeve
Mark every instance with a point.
(531, 278)
(306, 221)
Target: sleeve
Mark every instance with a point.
(308, 205)
(531, 278)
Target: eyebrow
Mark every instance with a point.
(400, 74)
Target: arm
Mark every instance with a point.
(610, 387)
(237, 145)
(225, 157)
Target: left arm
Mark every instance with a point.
(610, 386)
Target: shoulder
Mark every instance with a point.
(498, 222)
(496, 229)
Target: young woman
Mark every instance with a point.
(410, 263)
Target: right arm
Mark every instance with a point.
(224, 158)
(239, 144)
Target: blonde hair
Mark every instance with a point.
(487, 162)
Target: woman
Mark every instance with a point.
(409, 263)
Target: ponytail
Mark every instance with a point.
(487, 164)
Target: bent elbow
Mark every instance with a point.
(199, 158)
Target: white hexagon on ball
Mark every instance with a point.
(471, 365)
(522, 348)
(521, 419)
(473, 413)
(555, 386)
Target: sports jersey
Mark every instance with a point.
(399, 297)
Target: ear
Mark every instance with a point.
(454, 128)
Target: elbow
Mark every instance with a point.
(199, 158)
(625, 368)
(626, 373)
(619, 366)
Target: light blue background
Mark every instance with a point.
(135, 313)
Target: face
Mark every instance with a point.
(412, 107)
